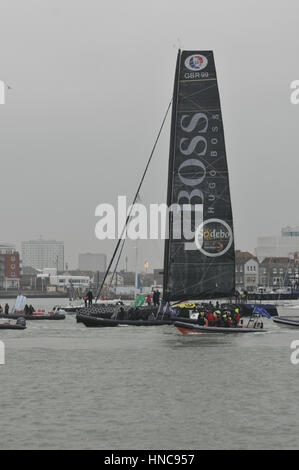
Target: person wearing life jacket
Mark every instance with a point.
(210, 319)
(238, 316)
(201, 318)
(217, 314)
(26, 310)
(218, 321)
(225, 319)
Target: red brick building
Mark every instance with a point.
(9, 269)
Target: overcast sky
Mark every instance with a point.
(91, 81)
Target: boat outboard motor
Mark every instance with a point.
(21, 321)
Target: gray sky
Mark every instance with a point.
(91, 81)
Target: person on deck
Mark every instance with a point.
(219, 322)
(149, 299)
(224, 319)
(211, 321)
(236, 317)
(156, 298)
(26, 309)
(90, 297)
(31, 310)
(6, 309)
(216, 314)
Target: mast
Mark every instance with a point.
(136, 269)
(170, 172)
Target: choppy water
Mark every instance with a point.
(68, 387)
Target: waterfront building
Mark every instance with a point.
(40, 254)
(278, 246)
(279, 272)
(10, 267)
(247, 271)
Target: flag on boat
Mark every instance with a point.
(258, 310)
(139, 301)
(20, 303)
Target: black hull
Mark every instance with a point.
(71, 309)
(98, 322)
(93, 322)
(7, 326)
(284, 296)
(12, 316)
(286, 322)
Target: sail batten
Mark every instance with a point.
(201, 266)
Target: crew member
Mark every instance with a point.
(90, 297)
(210, 319)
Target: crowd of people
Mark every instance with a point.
(6, 309)
(88, 298)
(219, 318)
(155, 298)
(28, 310)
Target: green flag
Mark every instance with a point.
(139, 301)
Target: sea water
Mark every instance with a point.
(64, 386)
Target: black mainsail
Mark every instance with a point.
(199, 263)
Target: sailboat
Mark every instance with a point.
(200, 266)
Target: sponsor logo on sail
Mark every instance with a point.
(214, 237)
(196, 62)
